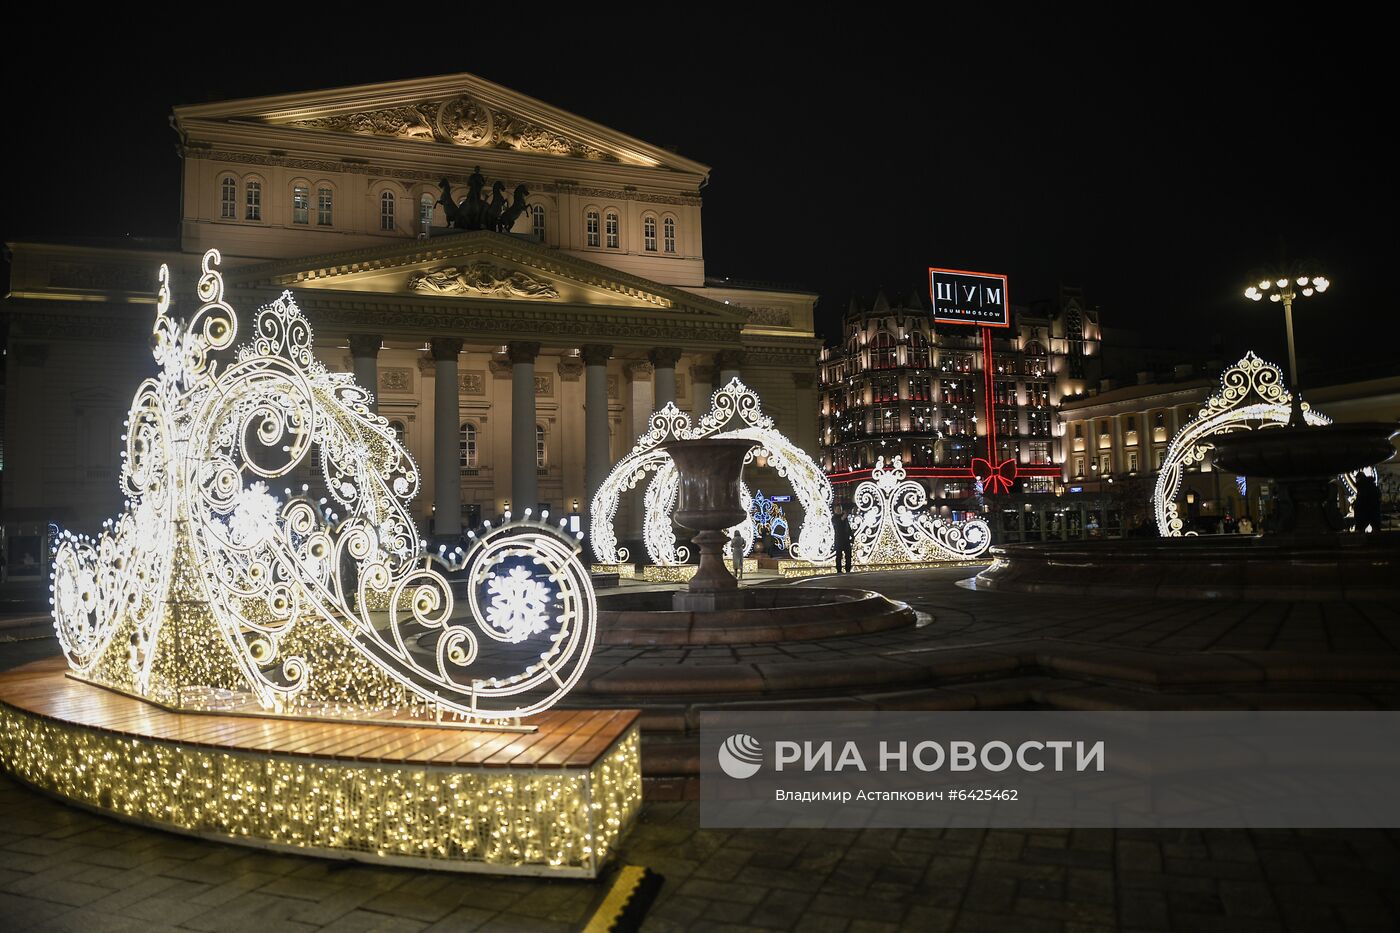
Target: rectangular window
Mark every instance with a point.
(613, 240)
(301, 205)
(253, 201)
(592, 224)
(1132, 461)
(1079, 466)
(670, 228)
(425, 212)
(1038, 451)
(1105, 465)
(537, 221)
(323, 207)
(649, 234)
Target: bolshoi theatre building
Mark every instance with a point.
(519, 286)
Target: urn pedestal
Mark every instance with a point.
(709, 471)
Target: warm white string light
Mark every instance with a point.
(210, 583)
(1252, 395)
(734, 412)
(892, 525)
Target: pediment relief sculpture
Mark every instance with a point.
(483, 279)
(461, 120)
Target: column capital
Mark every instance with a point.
(730, 359)
(639, 371)
(664, 357)
(445, 348)
(522, 351)
(596, 354)
(365, 346)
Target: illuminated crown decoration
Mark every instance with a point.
(1252, 396)
(892, 525)
(211, 592)
(734, 412)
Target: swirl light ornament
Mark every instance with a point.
(892, 525)
(212, 592)
(1252, 396)
(734, 412)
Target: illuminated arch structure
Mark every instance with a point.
(734, 412)
(212, 591)
(1252, 396)
(892, 527)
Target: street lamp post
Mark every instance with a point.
(1286, 288)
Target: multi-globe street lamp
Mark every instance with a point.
(1286, 287)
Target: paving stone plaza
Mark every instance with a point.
(64, 869)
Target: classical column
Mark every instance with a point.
(524, 475)
(364, 361)
(702, 380)
(729, 362)
(447, 470)
(664, 360)
(597, 458)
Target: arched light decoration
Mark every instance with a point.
(211, 591)
(734, 412)
(1252, 394)
(892, 527)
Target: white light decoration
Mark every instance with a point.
(1252, 395)
(210, 591)
(734, 412)
(892, 526)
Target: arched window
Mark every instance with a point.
(301, 204)
(539, 446)
(882, 351)
(400, 431)
(614, 239)
(252, 201)
(386, 211)
(649, 234)
(228, 198)
(918, 350)
(426, 203)
(325, 203)
(591, 225)
(669, 231)
(537, 221)
(466, 447)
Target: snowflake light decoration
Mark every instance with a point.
(1252, 396)
(211, 590)
(519, 604)
(734, 412)
(892, 525)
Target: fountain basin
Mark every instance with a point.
(1303, 568)
(779, 614)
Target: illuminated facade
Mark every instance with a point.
(898, 386)
(514, 366)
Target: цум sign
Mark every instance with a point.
(961, 297)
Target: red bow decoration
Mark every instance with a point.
(995, 479)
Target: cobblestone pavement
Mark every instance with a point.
(65, 869)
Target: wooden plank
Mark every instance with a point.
(562, 739)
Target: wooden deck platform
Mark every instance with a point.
(330, 787)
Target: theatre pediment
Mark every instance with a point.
(456, 110)
(480, 266)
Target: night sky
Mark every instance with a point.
(1154, 171)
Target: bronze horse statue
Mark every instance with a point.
(495, 208)
(470, 213)
(512, 214)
